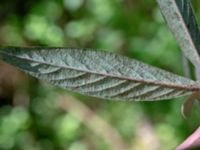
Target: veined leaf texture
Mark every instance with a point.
(99, 74)
(181, 20)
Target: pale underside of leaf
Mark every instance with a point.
(99, 74)
(181, 20)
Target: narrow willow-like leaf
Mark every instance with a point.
(182, 22)
(99, 74)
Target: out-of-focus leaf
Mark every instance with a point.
(187, 105)
(99, 74)
(191, 142)
(182, 22)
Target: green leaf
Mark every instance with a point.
(99, 74)
(182, 22)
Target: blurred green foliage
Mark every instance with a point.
(134, 28)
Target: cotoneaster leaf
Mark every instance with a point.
(99, 74)
(182, 22)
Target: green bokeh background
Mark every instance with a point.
(33, 120)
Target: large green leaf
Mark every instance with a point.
(98, 73)
(182, 22)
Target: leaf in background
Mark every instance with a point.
(186, 108)
(182, 22)
(99, 74)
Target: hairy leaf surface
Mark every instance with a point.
(98, 73)
(182, 22)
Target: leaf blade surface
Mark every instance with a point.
(181, 20)
(99, 74)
